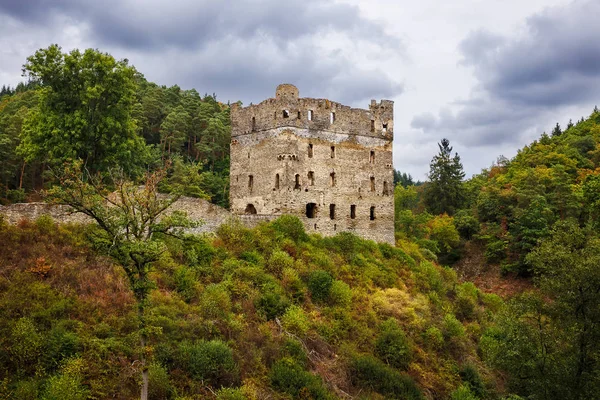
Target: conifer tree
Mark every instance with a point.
(444, 192)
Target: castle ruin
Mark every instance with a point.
(328, 164)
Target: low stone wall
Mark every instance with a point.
(211, 215)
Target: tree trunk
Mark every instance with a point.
(142, 327)
(21, 177)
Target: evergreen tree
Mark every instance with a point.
(402, 178)
(569, 125)
(556, 131)
(444, 192)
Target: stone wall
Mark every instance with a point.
(333, 169)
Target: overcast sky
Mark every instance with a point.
(490, 75)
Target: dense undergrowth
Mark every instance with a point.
(248, 313)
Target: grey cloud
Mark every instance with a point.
(525, 80)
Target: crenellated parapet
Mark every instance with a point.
(288, 110)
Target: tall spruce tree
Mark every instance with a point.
(444, 192)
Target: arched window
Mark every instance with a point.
(250, 209)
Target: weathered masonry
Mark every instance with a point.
(327, 163)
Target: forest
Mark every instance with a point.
(491, 291)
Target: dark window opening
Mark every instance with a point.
(250, 209)
(311, 210)
(385, 127)
(353, 211)
(310, 150)
(385, 188)
(372, 157)
(332, 151)
(276, 181)
(248, 154)
(372, 214)
(310, 115)
(311, 178)
(299, 115)
(335, 227)
(333, 180)
(372, 125)
(332, 211)
(253, 124)
(250, 182)
(372, 184)
(297, 184)
(315, 226)
(275, 114)
(331, 117)
(286, 114)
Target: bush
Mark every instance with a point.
(230, 394)
(278, 261)
(272, 304)
(453, 327)
(159, 386)
(368, 372)
(185, 282)
(59, 344)
(210, 361)
(495, 251)
(392, 346)
(466, 301)
(215, 301)
(340, 294)
(295, 321)
(463, 392)
(289, 377)
(466, 224)
(433, 337)
(67, 385)
(290, 226)
(472, 379)
(26, 345)
(319, 284)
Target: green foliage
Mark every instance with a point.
(444, 192)
(319, 284)
(272, 304)
(290, 226)
(160, 387)
(230, 394)
(289, 377)
(211, 361)
(68, 384)
(340, 294)
(466, 224)
(463, 392)
(26, 346)
(452, 327)
(372, 374)
(392, 345)
(88, 96)
(295, 321)
(433, 338)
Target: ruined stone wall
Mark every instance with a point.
(333, 168)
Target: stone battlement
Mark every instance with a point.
(288, 110)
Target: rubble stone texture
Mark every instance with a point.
(329, 164)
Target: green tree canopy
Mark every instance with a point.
(85, 111)
(444, 192)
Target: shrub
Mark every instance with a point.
(466, 301)
(26, 345)
(453, 327)
(466, 224)
(291, 227)
(67, 385)
(295, 321)
(368, 372)
(230, 394)
(211, 361)
(392, 346)
(198, 251)
(293, 349)
(495, 251)
(463, 392)
(59, 344)
(472, 379)
(272, 304)
(289, 377)
(319, 284)
(433, 338)
(185, 282)
(159, 386)
(340, 294)
(215, 301)
(278, 261)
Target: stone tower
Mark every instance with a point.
(329, 164)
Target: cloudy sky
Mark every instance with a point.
(490, 75)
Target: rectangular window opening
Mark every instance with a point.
(310, 150)
(372, 125)
(332, 211)
(372, 213)
(332, 151)
(297, 184)
(299, 115)
(372, 184)
(372, 157)
(385, 188)
(253, 124)
(385, 127)
(286, 114)
(333, 180)
(310, 115)
(311, 210)
(250, 182)
(331, 117)
(277, 181)
(353, 211)
(311, 178)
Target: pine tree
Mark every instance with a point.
(569, 125)
(444, 192)
(556, 131)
